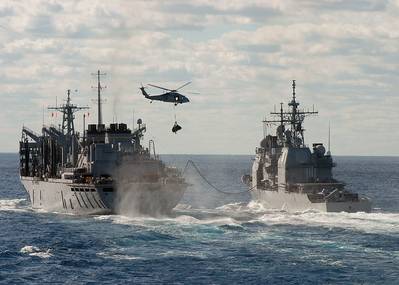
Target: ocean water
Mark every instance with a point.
(211, 238)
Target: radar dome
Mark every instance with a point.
(280, 129)
(320, 150)
(298, 141)
(265, 143)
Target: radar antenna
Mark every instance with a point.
(68, 109)
(329, 139)
(293, 118)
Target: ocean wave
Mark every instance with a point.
(254, 212)
(366, 222)
(184, 253)
(117, 256)
(179, 219)
(13, 205)
(238, 206)
(239, 214)
(253, 208)
(217, 221)
(183, 207)
(35, 251)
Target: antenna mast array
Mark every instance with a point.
(293, 118)
(68, 111)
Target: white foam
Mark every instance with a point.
(29, 249)
(183, 207)
(117, 219)
(217, 221)
(238, 213)
(35, 251)
(256, 207)
(184, 219)
(252, 208)
(102, 217)
(367, 222)
(117, 256)
(12, 205)
(42, 254)
(174, 253)
(233, 207)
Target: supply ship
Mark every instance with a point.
(106, 170)
(287, 175)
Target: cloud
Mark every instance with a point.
(354, 5)
(240, 55)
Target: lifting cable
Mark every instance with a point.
(190, 162)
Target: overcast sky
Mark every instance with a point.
(240, 55)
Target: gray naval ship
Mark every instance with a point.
(104, 171)
(287, 175)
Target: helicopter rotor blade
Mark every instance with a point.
(192, 93)
(163, 88)
(183, 85)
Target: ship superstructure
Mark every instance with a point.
(287, 175)
(104, 170)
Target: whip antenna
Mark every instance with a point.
(329, 139)
(99, 88)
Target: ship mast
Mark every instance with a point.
(99, 88)
(296, 122)
(294, 118)
(67, 111)
(68, 129)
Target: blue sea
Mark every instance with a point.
(211, 238)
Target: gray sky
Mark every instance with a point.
(240, 55)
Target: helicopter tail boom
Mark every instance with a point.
(145, 94)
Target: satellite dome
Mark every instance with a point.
(265, 143)
(280, 129)
(320, 150)
(298, 141)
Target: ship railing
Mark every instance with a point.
(334, 196)
(316, 198)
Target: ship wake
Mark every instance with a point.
(247, 215)
(16, 205)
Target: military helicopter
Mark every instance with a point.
(170, 96)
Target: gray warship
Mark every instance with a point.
(287, 175)
(106, 170)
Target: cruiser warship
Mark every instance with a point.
(106, 170)
(287, 175)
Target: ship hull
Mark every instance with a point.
(299, 202)
(89, 199)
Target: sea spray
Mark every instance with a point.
(36, 251)
(146, 187)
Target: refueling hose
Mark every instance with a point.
(190, 162)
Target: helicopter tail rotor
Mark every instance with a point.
(142, 88)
